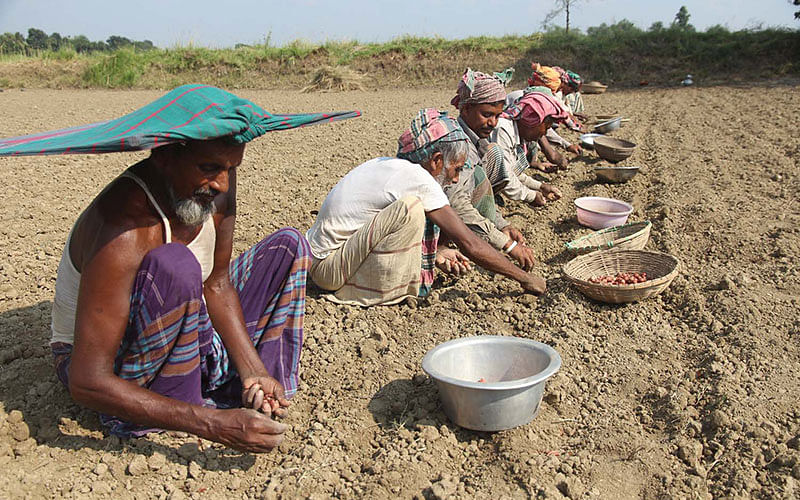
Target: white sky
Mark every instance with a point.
(223, 24)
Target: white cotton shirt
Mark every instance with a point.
(365, 191)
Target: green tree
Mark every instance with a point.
(117, 42)
(682, 20)
(81, 44)
(55, 41)
(37, 39)
(12, 43)
(797, 14)
(144, 45)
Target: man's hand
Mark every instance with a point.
(452, 261)
(538, 199)
(575, 149)
(534, 284)
(514, 234)
(524, 256)
(550, 192)
(544, 166)
(246, 429)
(266, 394)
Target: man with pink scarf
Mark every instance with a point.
(526, 120)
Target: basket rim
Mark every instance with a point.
(636, 286)
(573, 245)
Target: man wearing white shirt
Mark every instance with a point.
(374, 238)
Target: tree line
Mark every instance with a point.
(37, 40)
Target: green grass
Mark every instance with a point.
(620, 53)
(122, 68)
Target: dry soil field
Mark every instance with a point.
(691, 394)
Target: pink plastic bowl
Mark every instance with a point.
(600, 213)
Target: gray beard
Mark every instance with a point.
(442, 178)
(189, 211)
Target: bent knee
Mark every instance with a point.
(175, 264)
(415, 212)
(291, 239)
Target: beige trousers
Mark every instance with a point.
(381, 262)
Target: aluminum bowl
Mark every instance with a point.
(616, 174)
(605, 118)
(515, 370)
(587, 140)
(599, 213)
(608, 126)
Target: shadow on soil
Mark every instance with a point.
(28, 384)
(415, 402)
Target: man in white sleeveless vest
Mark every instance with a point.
(154, 325)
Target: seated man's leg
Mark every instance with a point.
(380, 263)
(271, 280)
(483, 194)
(160, 349)
(492, 162)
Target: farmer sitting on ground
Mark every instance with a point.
(371, 243)
(570, 92)
(153, 324)
(559, 82)
(522, 123)
(480, 99)
(555, 160)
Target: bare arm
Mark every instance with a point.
(551, 154)
(481, 252)
(459, 196)
(225, 311)
(101, 319)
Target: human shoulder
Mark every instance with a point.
(505, 132)
(406, 173)
(120, 218)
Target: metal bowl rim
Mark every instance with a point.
(590, 135)
(552, 367)
(617, 119)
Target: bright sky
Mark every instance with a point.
(215, 23)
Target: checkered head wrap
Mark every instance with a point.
(479, 88)
(569, 78)
(429, 127)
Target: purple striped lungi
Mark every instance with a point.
(170, 346)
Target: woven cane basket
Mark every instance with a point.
(631, 236)
(593, 88)
(661, 269)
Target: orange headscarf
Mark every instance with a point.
(545, 76)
